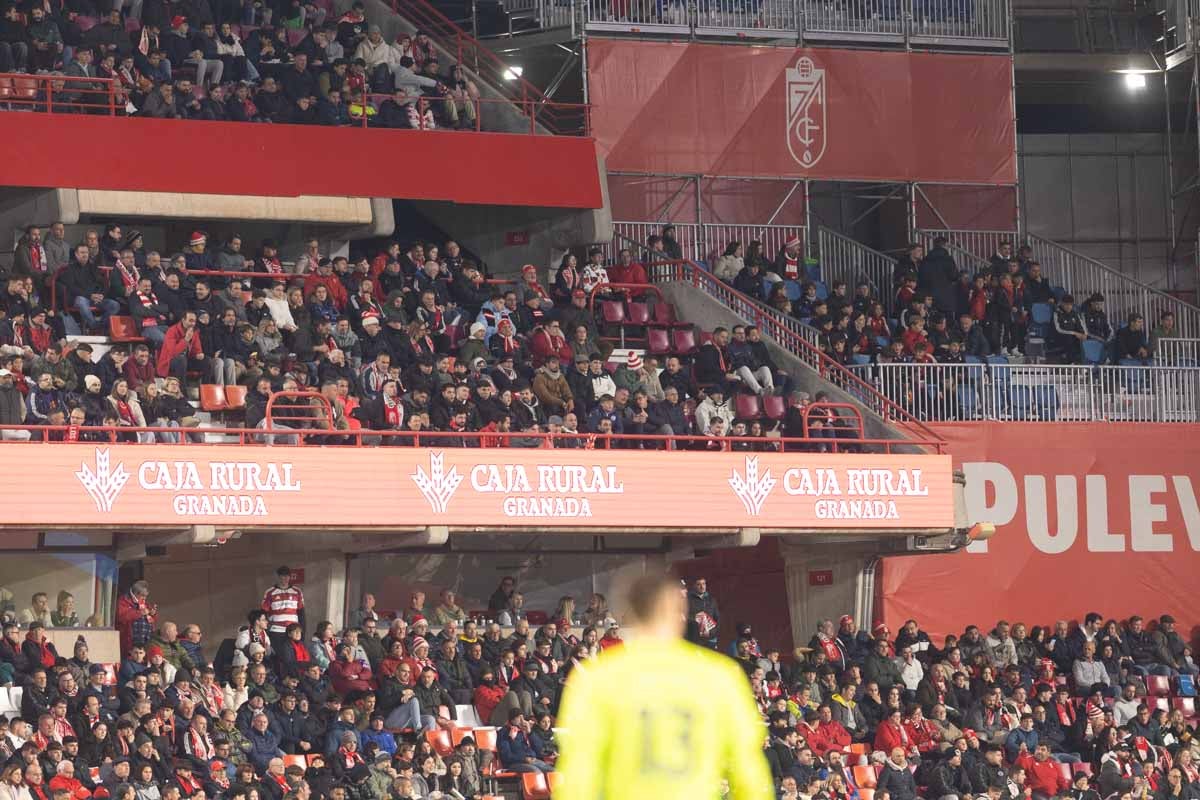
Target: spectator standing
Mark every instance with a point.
(136, 616)
(283, 604)
(703, 615)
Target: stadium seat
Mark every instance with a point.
(664, 314)
(458, 734)
(1185, 704)
(212, 397)
(5, 87)
(554, 779)
(860, 749)
(298, 761)
(658, 341)
(683, 341)
(793, 290)
(746, 406)
(534, 786)
(1156, 703)
(537, 617)
(864, 777)
(1093, 351)
(110, 674)
(25, 88)
(612, 312)
(1083, 767)
(1041, 315)
(440, 741)
(235, 398)
(774, 407)
(639, 313)
(822, 291)
(860, 360)
(1158, 685)
(1064, 770)
(866, 793)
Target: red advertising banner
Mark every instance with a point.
(131, 486)
(1089, 517)
(488, 168)
(713, 109)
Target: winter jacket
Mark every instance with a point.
(882, 670)
(552, 389)
(514, 746)
(707, 410)
(898, 781)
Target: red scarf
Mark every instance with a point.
(128, 279)
(393, 413)
(45, 656)
(791, 267)
(1066, 714)
(148, 300)
(349, 758)
(829, 646)
(126, 415)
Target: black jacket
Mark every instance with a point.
(899, 783)
(711, 365)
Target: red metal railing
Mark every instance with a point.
(474, 56)
(688, 271)
(362, 437)
(61, 94)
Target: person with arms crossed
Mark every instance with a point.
(620, 743)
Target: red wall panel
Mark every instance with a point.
(721, 110)
(1089, 517)
(52, 150)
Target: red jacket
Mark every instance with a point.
(888, 737)
(910, 339)
(337, 290)
(72, 785)
(924, 738)
(486, 699)
(127, 612)
(349, 676)
(1042, 776)
(173, 344)
(634, 273)
(827, 736)
(542, 346)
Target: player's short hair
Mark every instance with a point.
(644, 593)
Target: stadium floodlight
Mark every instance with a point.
(512, 73)
(1135, 81)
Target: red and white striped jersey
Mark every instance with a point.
(283, 607)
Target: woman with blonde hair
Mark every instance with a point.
(564, 612)
(597, 611)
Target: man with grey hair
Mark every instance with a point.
(136, 616)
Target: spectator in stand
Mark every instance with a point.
(730, 264)
(627, 271)
(1132, 344)
(283, 604)
(84, 289)
(703, 615)
(789, 261)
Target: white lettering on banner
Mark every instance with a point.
(564, 483)
(228, 482)
(992, 495)
(546, 507)
(856, 509)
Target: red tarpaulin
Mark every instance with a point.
(1089, 517)
(823, 114)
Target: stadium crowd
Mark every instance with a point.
(432, 699)
(407, 340)
(281, 62)
(939, 313)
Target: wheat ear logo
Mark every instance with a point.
(437, 485)
(752, 489)
(105, 482)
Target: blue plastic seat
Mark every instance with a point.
(822, 291)
(859, 359)
(968, 399)
(1093, 351)
(793, 289)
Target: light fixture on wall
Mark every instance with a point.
(1135, 81)
(513, 72)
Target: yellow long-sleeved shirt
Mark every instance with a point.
(660, 720)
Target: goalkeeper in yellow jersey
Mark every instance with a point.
(660, 718)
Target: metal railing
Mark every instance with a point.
(1080, 275)
(529, 109)
(282, 435)
(61, 94)
(1039, 393)
(845, 259)
(490, 70)
(957, 23)
(770, 323)
(1174, 352)
(707, 241)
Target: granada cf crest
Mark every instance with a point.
(806, 112)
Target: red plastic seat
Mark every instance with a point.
(212, 397)
(664, 314)
(25, 88)
(123, 329)
(1185, 704)
(866, 794)
(235, 398)
(612, 311)
(1158, 685)
(774, 406)
(298, 761)
(705, 337)
(1083, 767)
(639, 313)
(658, 341)
(440, 741)
(458, 734)
(683, 341)
(554, 779)
(1064, 770)
(537, 617)
(454, 335)
(864, 777)
(534, 786)
(746, 406)
(1155, 703)
(5, 87)
(110, 674)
